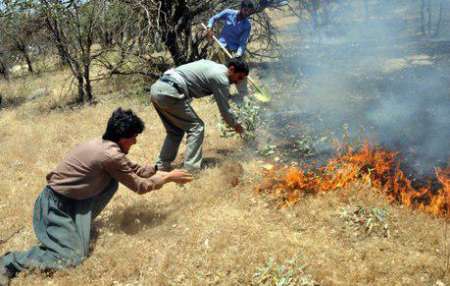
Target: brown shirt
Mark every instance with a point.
(89, 168)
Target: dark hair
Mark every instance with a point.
(123, 124)
(249, 4)
(239, 65)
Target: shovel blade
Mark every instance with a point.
(262, 95)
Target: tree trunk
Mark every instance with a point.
(141, 44)
(422, 16)
(439, 21)
(366, 10)
(429, 15)
(54, 29)
(87, 83)
(172, 45)
(179, 16)
(80, 88)
(4, 70)
(326, 14)
(27, 58)
(63, 60)
(110, 39)
(22, 48)
(314, 13)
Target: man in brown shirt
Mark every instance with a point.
(78, 190)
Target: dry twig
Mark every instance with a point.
(11, 235)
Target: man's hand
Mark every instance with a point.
(162, 173)
(238, 128)
(210, 34)
(179, 176)
(238, 56)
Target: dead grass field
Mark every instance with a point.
(208, 232)
(216, 230)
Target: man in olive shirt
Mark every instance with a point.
(171, 96)
(78, 190)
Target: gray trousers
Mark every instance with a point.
(63, 228)
(178, 118)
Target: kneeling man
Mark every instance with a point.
(78, 190)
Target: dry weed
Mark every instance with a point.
(212, 231)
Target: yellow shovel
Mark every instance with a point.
(261, 94)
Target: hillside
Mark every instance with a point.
(209, 232)
(219, 229)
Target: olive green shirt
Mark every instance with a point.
(204, 78)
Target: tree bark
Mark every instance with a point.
(80, 88)
(366, 10)
(314, 13)
(429, 16)
(4, 70)
(180, 16)
(87, 83)
(422, 16)
(24, 51)
(439, 21)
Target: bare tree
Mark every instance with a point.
(173, 27)
(429, 17)
(122, 32)
(4, 66)
(426, 17)
(72, 25)
(19, 28)
(171, 24)
(366, 10)
(439, 21)
(149, 36)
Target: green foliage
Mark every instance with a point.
(267, 150)
(366, 221)
(305, 145)
(289, 273)
(248, 114)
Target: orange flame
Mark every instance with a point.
(379, 167)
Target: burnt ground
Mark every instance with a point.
(395, 95)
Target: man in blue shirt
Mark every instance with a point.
(236, 29)
(234, 35)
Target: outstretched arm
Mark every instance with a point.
(121, 169)
(221, 94)
(218, 16)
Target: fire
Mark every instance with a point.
(380, 168)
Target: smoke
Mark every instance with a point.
(369, 75)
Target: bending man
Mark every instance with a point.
(171, 96)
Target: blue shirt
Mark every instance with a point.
(235, 33)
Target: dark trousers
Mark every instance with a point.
(63, 228)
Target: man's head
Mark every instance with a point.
(123, 128)
(237, 70)
(248, 7)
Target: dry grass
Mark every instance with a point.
(211, 232)
(53, 88)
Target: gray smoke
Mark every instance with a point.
(372, 77)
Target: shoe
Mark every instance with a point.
(4, 277)
(164, 167)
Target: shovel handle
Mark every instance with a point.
(219, 43)
(230, 56)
